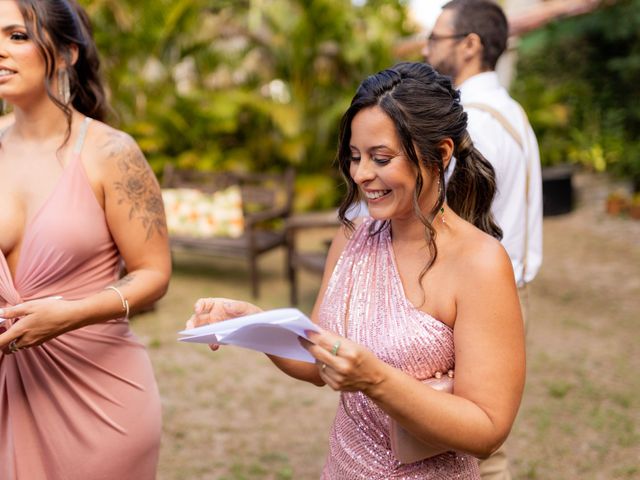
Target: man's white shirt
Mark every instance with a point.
(510, 163)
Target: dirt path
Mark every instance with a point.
(231, 415)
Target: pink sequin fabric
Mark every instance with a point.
(365, 296)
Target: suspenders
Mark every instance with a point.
(518, 139)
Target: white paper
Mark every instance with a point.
(275, 332)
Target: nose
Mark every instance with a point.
(362, 171)
(425, 51)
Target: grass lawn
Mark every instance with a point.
(232, 415)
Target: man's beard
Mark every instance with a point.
(446, 67)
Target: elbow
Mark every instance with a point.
(162, 285)
(488, 448)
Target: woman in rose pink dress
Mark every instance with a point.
(78, 398)
(422, 285)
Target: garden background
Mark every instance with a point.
(259, 85)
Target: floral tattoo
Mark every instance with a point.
(137, 185)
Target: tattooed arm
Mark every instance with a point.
(135, 215)
(128, 191)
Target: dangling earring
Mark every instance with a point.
(64, 90)
(442, 207)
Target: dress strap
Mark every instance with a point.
(81, 136)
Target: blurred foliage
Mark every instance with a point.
(250, 85)
(578, 80)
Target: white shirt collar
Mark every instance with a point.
(480, 82)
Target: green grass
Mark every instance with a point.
(231, 415)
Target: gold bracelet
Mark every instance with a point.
(125, 302)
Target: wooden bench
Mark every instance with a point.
(267, 200)
(301, 257)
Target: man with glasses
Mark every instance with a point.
(466, 41)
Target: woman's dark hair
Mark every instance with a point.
(425, 109)
(55, 26)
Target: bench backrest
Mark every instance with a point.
(260, 191)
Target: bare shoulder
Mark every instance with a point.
(129, 184)
(113, 150)
(483, 258)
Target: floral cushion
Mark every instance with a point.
(193, 213)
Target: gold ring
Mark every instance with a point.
(13, 348)
(336, 346)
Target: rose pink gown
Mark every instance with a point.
(84, 405)
(366, 289)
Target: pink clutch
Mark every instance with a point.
(406, 447)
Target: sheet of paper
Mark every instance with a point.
(275, 332)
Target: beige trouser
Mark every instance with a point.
(496, 467)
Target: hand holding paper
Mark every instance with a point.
(274, 332)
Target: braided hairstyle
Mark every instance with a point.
(426, 109)
(54, 26)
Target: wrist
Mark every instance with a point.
(379, 379)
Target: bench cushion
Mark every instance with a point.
(193, 213)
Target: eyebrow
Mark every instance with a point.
(8, 28)
(375, 148)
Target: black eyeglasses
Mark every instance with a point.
(434, 38)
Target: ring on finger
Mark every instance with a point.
(13, 347)
(336, 346)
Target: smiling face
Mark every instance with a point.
(22, 68)
(386, 178)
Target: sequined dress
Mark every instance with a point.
(366, 284)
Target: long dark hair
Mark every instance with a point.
(54, 26)
(426, 109)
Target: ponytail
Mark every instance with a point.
(472, 187)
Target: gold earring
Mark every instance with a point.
(64, 90)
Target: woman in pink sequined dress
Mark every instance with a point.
(422, 285)
(78, 398)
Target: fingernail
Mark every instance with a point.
(1, 312)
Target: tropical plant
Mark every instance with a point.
(578, 80)
(243, 85)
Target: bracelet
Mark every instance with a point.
(125, 302)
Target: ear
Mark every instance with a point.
(75, 53)
(472, 47)
(445, 149)
(70, 58)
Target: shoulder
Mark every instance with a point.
(112, 150)
(482, 258)
(110, 143)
